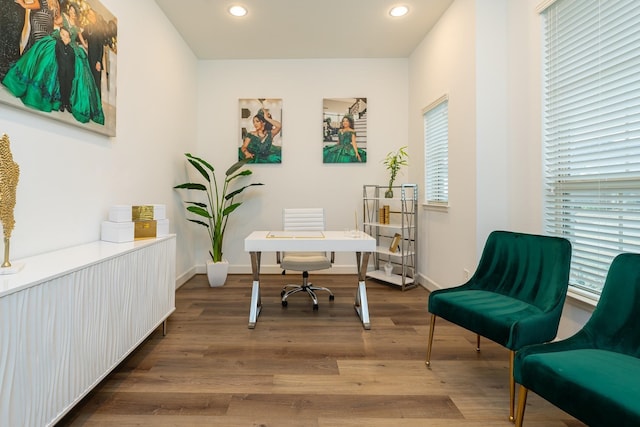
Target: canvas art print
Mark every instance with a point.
(58, 59)
(260, 130)
(344, 130)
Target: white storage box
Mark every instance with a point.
(159, 212)
(162, 227)
(117, 232)
(120, 213)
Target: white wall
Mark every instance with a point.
(524, 124)
(492, 115)
(301, 180)
(444, 64)
(69, 176)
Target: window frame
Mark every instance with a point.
(436, 184)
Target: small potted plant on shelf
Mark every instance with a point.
(215, 211)
(394, 161)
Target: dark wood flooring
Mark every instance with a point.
(301, 367)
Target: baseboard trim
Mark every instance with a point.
(184, 277)
(428, 283)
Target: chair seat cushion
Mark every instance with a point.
(599, 387)
(490, 314)
(305, 261)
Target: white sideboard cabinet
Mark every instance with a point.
(70, 316)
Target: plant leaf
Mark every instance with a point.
(242, 173)
(230, 208)
(192, 186)
(236, 166)
(199, 222)
(200, 169)
(240, 190)
(202, 205)
(201, 161)
(199, 211)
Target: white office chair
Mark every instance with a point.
(309, 219)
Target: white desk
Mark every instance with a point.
(329, 241)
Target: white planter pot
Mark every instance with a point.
(217, 272)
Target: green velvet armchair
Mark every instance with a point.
(515, 297)
(593, 375)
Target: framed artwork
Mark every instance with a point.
(260, 130)
(344, 130)
(58, 58)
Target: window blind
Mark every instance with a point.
(591, 132)
(436, 140)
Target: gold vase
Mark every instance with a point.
(6, 262)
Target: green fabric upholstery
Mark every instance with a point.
(516, 295)
(594, 375)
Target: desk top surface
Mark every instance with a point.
(335, 241)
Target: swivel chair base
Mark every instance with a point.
(305, 287)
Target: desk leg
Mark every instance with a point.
(256, 302)
(362, 305)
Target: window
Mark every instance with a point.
(436, 149)
(591, 132)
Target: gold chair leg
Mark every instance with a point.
(512, 386)
(430, 341)
(522, 403)
(478, 342)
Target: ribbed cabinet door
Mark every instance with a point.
(61, 337)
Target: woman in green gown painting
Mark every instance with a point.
(257, 145)
(346, 150)
(34, 77)
(86, 102)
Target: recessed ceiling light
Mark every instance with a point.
(398, 11)
(237, 11)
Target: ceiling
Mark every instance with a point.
(302, 29)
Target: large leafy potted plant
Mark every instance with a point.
(213, 214)
(394, 161)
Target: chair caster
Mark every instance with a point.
(331, 297)
(315, 307)
(284, 303)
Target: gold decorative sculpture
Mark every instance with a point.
(9, 173)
